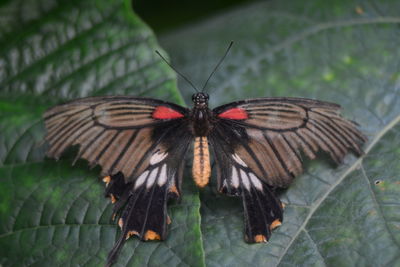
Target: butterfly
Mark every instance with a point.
(257, 144)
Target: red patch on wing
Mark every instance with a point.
(234, 114)
(165, 113)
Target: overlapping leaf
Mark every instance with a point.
(53, 214)
(345, 53)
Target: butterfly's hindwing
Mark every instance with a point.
(262, 210)
(142, 207)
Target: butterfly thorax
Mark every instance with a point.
(200, 119)
(201, 115)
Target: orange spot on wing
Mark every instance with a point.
(166, 113)
(260, 239)
(174, 190)
(234, 114)
(107, 180)
(131, 233)
(113, 199)
(151, 235)
(275, 224)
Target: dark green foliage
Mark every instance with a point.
(52, 214)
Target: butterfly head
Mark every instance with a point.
(200, 99)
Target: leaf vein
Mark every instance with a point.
(378, 207)
(303, 35)
(351, 168)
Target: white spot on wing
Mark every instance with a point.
(157, 157)
(239, 160)
(152, 178)
(256, 182)
(235, 178)
(245, 180)
(140, 180)
(162, 179)
(224, 183)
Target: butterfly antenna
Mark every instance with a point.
(172, 67)
(219, 63)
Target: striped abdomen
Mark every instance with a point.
(201, 162)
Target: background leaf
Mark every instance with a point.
(345, 53)
(53, 214)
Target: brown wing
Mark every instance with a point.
(263, 211)
(269, 134)
(117, 133)
(141, 205)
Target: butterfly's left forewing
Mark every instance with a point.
(139, 143)
(117, 133)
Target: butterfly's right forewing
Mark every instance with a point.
(258, 145)
(272, 133)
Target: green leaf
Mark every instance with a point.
(53, 214)
(345, 53)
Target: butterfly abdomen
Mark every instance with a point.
(201, 161)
